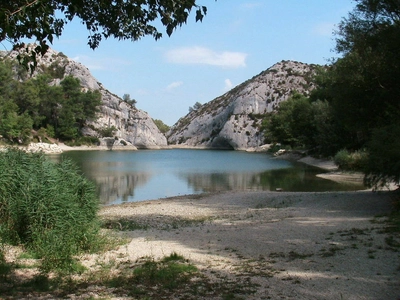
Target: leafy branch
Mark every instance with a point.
(22, 8)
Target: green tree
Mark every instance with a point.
(16, 128)
(27, 97)
(305, 123)
(127, 99)
(196, 106)
(124, 20)
(15, 125)
(291, 124)
(161, 125)
(74, 108)
(326, 132)
(34, 104)
(7, 82)
(363, 86)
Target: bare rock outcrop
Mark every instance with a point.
(233, 120)
(43, 147)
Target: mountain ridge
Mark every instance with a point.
(230, 121)
(233, 120)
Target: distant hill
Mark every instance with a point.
(132, 125)
(233, 120)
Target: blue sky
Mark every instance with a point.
(237, 40)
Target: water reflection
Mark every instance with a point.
(301, 178)
(145, 175)
(119, 187)
(115, 181)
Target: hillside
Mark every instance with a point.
(233, 120)
(132, 126)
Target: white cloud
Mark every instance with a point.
(110, 64)
(228, 85)
(202, 55)
(174, 85)
(324, 29)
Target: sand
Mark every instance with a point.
(289, 245)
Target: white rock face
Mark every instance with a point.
(43, 147)
(133, 125)
(233, 120)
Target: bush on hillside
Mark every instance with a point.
(161, 125)
(49, 208)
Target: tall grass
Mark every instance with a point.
(49, 208)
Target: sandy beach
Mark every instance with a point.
(284, 245)
(250, 245)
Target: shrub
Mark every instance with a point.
(49, 208)
(83, 140)
(89, 140)
(351, 161)
(161, 126)
(107, 131)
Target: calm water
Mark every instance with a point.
(128, 176)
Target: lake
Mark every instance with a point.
(130, 176)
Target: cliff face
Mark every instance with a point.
(132, 125)
(233, 120)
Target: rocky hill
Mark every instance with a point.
(233, 120)
(133, 126)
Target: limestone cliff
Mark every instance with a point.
(233, 120)
(133, 125)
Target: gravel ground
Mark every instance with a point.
(288, 245)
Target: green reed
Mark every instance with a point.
(49, 208)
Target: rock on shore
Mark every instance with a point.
(44, 147)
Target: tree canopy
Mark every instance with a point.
(356, 105)
(61, 110)
(122, 19)
(363, 86)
